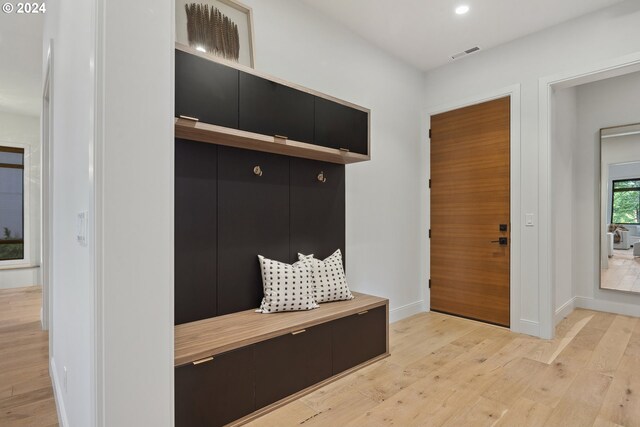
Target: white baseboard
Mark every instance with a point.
(527, 327)
(405, 311)
(57, 391)
(564, 310)
(18, 278)
(608, 306)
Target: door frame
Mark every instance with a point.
(516, 323)
(546, 86)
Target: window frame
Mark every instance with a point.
(26, 211)
(619, 190)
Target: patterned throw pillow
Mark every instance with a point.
(286, 287)
(329, 281)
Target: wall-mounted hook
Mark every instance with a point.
(257, 170)
(321, 177)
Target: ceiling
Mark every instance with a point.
(21, 63)
(426, 33)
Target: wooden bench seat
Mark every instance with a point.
(209, 337)
(233, 368)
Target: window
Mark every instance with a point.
(626, 202)
(11, 203)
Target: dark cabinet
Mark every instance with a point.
(195, 230)
(253, 219)
(216, 392)
(317, 208)
(339, 126)
(292, 362)
(206, 90)
(270, 108)
(358, 338)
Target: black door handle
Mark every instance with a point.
(503, 241)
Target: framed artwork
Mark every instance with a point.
(221, 28)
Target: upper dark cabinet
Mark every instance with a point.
(339, 126)
(206, 90)
(271, 108)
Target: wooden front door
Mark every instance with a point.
(470, 226)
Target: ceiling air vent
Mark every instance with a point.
(465, 53)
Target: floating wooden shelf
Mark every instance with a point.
(212, 134)
(209, 337)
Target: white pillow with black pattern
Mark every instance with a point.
(287, 287)
(329, 281)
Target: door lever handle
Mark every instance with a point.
(502, 241)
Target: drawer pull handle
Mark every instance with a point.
(257, 170)
(344, 150)
(363, 312)
(298, 332)
(189, 118)
(205, 360)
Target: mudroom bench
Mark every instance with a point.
(231, 369)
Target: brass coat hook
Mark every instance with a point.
(321, 177)
(257, 170)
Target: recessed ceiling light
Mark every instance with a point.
(462, 9)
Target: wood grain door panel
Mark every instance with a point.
(470, 198)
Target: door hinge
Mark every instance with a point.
(429, 283)
(429, 233)
(429, 133)
(429, 182)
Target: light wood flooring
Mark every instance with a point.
(443, 371)
(26, 396)
(623, 273)
(446, 371)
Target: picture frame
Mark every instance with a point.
(219, 28)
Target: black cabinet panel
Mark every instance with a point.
(290, 363)
(358, 338)
(317, 208)
(206, 90)
(217, 392)
(273, 109)
(253, 219)
(339, 126)
(195, 230)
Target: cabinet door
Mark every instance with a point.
(290, 363)
(273, 109)
(217, 392)
(339, 126)
(206, 90)
(195, 230)
(253, 219)
(317, 208)
(358, 338)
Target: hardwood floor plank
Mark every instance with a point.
(26, 395)
(622, 403)
(612, 346)
(525, 413)
(581, 403)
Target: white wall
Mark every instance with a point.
(565, 134)
(297, 43)
(134, 180)
(71, 26)
(603, 35)
(25, 130)
(611, 102)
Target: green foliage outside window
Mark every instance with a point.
(626, 202)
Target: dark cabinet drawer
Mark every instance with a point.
(195, 230)
(253, 219)
(317, 208)
(292, 362)
(339, 126)
(217, 392)
(206, 90)
(358, 338)
(271, 108)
